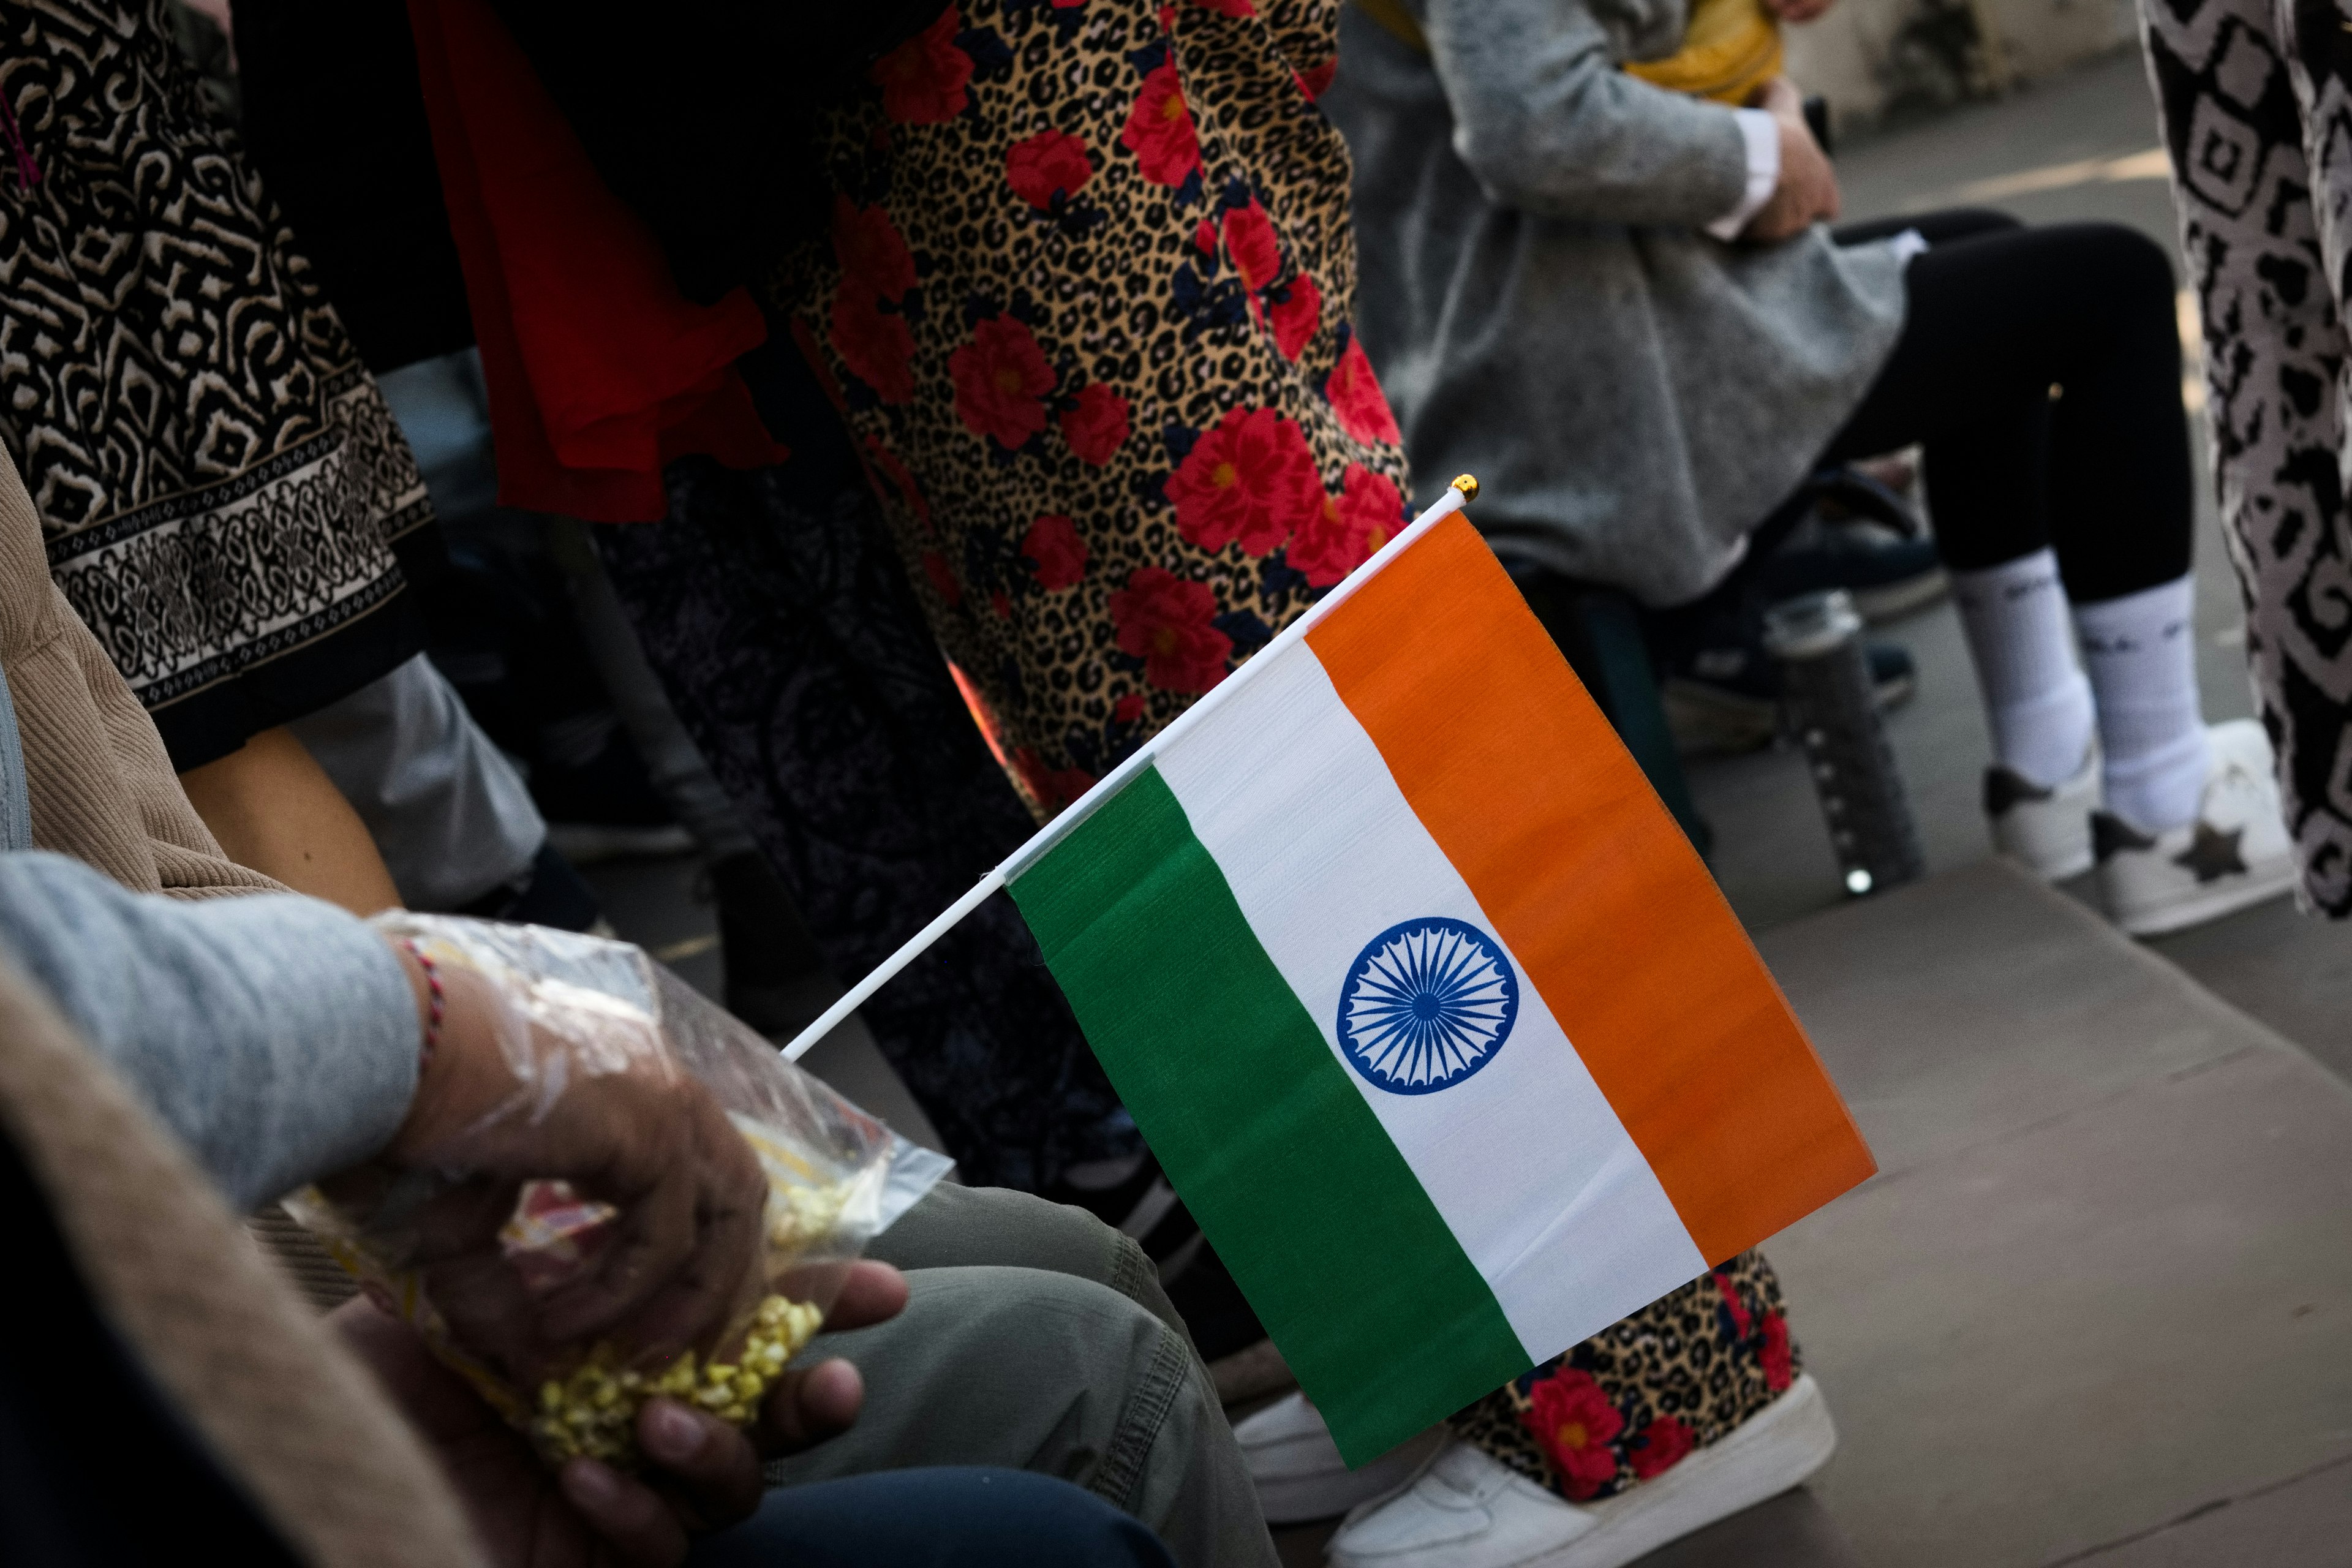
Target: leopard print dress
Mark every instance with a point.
(2256, 98)
(1084, 307)
(221, 489)
(1638, 1398)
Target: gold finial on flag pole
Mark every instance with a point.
(1467, 484)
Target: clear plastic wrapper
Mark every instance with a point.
(470, 1243)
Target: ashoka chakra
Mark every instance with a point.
(1427, 1002)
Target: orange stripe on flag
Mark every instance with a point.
(1520, 780)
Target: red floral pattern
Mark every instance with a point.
(1165, 621)
(1001, 382)
(1049, 164)
(1160, 130)
(1095, 425)
(1780, 1365)
(1297, 318)
(1249, 481)
(872, 252)
(1117, 235)
(1058, 553)
(1681, 1373)
(1574, 1423)
(1348, 527)
(1356, 397)
(1251, 241)
(1659, 1446)
(943, 577)
(923, 81)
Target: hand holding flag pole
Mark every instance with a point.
(1463, 489)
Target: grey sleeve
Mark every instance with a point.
(1550, 125)
(275, 1035)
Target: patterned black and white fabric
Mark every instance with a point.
(220, 485)
(2256, 98)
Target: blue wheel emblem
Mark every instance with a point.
(1427, 1002)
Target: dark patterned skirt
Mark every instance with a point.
(224, 498)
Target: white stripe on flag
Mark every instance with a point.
(1524, 1159)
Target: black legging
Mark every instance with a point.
(2000, 314)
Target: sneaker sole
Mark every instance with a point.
(1777, 1449)
(587, 842)
(2210, 905)
(1889, 600)
(1303, 1500)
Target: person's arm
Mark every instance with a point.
(274, 811)
(275, 1036)
(1550, 125)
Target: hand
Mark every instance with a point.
(503, 1099)
(1798, 11)
(1808, 192)
(706, 1474)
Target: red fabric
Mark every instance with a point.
(599, 371)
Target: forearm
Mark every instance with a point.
(1550, 125)
(277, 1035)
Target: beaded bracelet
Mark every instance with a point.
(432, 986)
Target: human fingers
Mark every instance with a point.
(717, 1175)
(871, 1293)
(636, 1526)
(809, 1404)
(706, 1469)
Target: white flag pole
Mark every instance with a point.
(1463, 490)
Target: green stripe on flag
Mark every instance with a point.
(1366, 1292)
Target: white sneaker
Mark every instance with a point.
(1466, 1510)
(2235, 853)
(1299, 1470)
(2048, 830)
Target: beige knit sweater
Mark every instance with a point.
(284, 1407)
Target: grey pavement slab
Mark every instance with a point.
(2291, 969)
(2303, 1523)
(2105, 1279)
(1958, 1012)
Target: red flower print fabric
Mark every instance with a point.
(1047, 165)
(1357, 398)
(1166, 622)
(1159, 130)
(1640, 1397)
(1249, 481)
(1095, 424)
(1059, 555)
(1574, 1422)
(924, 79)
(1084, 308)
(1348, 528)
(1658, 1448)
(1296, 316)
(1001, 382)
(1250, 238)
(873, 254)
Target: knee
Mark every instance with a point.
(2113, 261)
(956, 1226)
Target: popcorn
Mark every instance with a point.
(593, 1411)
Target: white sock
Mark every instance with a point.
(2036, 701)
(2141, 651)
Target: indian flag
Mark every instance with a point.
(1434, 1018)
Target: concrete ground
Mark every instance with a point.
(2096, 1308)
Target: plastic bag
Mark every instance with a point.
(463, 1248)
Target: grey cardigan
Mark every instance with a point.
(1544, 312)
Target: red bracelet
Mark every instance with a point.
(432, 985)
